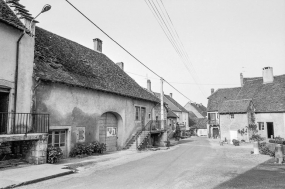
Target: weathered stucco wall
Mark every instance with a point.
(240, 121)
(278, 120)
(79, 107)
(8, 48)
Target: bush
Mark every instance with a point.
(87, 149)
(235, 142)
(277, 142)
(256, 138)
(54, 154)
(263, 149)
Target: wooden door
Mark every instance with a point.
(108, 129)
(143, 117)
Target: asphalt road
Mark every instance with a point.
(194, 163)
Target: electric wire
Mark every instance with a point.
(125, 49)
(178, 44)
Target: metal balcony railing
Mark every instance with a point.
(155, 125)
(22, 123)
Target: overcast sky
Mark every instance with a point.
(221, 37)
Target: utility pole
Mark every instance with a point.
(161, 102)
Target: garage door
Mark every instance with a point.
(108, 129)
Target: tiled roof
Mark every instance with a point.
(265, 97)
(268, 97)
(199, 123)
(9, 17)
(170, 114)
(235, 106)
(181, 108)
(192, 115)
(221, 95)
(199, 107)
(61, 60)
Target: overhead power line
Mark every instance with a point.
(184, 83)
(161, 15)
(125, 49)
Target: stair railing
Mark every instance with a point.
(147, 127)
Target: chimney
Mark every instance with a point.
(212, 91)
(121, 65)
(170, 94)
(97, 44)
(241, 79)
(267, 74)
(148, 85)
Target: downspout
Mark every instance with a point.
(16, 73)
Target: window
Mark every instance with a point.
(137, 113)
(212, 116)
(261, 126)
(232, 116)
(57, 138)
(149, 116)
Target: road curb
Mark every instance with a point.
(39, 179)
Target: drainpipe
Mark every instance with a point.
(16, 73)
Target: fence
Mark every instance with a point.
(22, 123)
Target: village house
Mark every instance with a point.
(197, 118)
(214, 102)
(87, 95)
(259, 100)
(23, 132)
(235, 117)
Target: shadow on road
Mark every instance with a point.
(265, 175)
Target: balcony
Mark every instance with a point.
(213, 122)
(23, 123)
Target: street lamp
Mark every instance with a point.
(46, 8)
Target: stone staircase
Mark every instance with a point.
(137, 140)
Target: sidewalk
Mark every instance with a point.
(10, 178)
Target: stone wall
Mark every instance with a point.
(33, 151)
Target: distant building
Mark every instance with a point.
(197, 118)
(259, 100)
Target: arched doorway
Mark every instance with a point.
(108, 131)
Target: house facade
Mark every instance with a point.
(87, 95)
(267, 96)
(214, 102)
(235, 117)
(23, 132)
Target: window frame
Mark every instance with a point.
(261, 126)
(137, 113)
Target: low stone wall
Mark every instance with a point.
(33, 151)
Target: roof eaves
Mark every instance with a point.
(102, 90)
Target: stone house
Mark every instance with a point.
(23, 132)
(235, 117)
(267, 96)
(87, 95)
(197, 118)
(214, 102)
